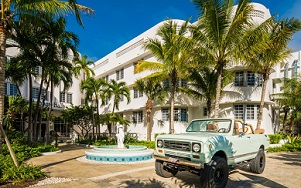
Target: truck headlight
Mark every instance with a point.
(159, 143)
(196, 147)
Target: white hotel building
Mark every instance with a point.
(241, 99)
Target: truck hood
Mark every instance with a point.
(193, 136)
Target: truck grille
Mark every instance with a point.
(177, 145)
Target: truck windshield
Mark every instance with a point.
(210, 125)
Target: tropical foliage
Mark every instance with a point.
(266, 47)
(217, 35)
(171, 53)
(154, 92)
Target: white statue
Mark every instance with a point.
(120, 136)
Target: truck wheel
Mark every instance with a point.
(258, 163)
(215, 173)
(163, 171)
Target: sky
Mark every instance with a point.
(116, 22)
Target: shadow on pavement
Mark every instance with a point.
(59, 162)
(153, 183)
(253, 179)
(69, 147)
(289, 158)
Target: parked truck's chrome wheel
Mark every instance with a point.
(215, 173)
(257, 164)
(164, 171)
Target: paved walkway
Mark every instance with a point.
(282, 170)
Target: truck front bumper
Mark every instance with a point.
(178, 162)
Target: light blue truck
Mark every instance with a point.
(209, 148)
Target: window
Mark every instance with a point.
(239, 79)
(176, 114)
(120, 74)
(250, 112)
(35, 93)
(180, 114)
(69, 98)
(37, 70)
(13, 90)
(137, 93)
(165, 114)
(246, 111)
(181, 83)
(205, 111)
(239, 111)
(137, 117)
(5, 89)
(259, 79)
(248, 78)
(62, 97)
(184, 115)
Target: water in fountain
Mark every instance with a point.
(120, 153)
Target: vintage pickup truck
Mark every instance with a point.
(209, 148)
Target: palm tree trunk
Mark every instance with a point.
(291, 127)
(208, 108)
(30, 135)
(148, 117)
(38, 110)
(218, 90)
(12, 154)
(47, 132)
(2, 69)
(264, 85)
(172, 107)
(42, 110)
(2, 80)
(2, 76)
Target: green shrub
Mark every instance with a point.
(150, 145)
(21, 173)
(275, 138)
(128, 138)
(277, 149)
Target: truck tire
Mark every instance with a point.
(215, 173)
(257, 164)
(163, 171)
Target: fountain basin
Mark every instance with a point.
(114, 154)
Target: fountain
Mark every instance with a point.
(119, 153)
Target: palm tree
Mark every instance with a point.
(117, 90)
(217, 34)
(267, 47)
(171, 55)
(57, 47)
(26, 39)
(201, 84)
(94, 88)
(83, 65)
(13, 10)
(154, 91)
(290, 99)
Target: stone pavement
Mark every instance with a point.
(282, 170)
